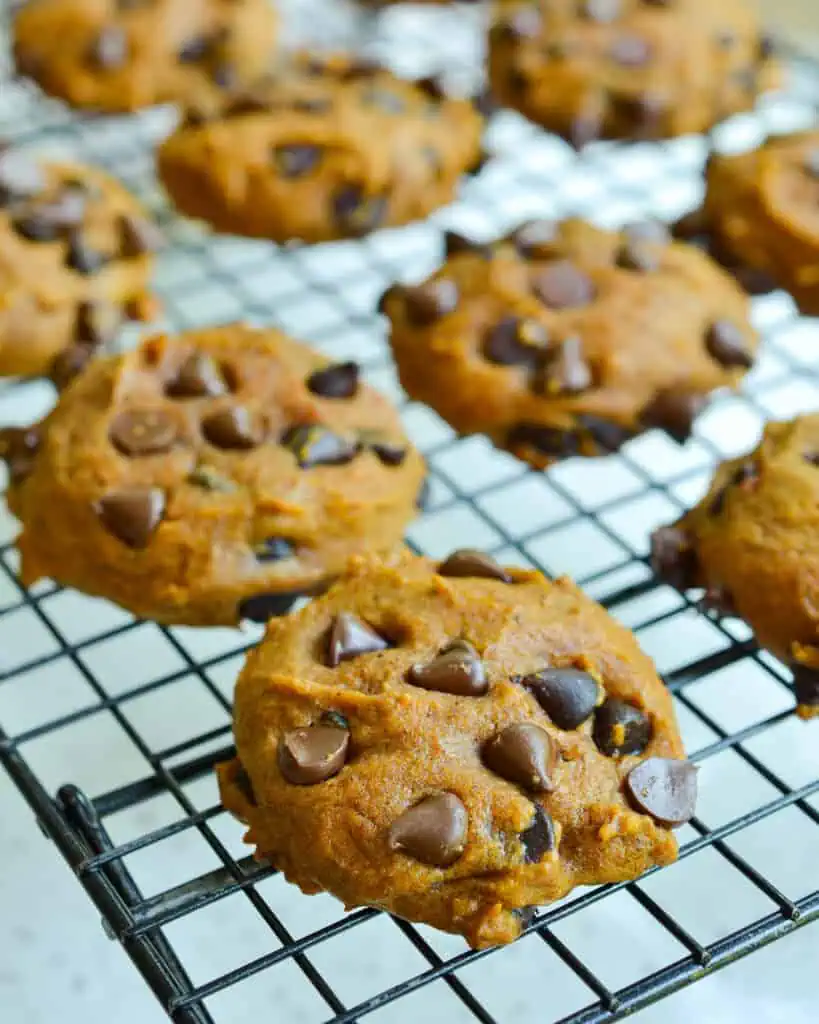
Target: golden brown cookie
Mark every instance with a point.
(590, 69)
(126, 54)
(761, 216)
(76, 253)
(456, 744)
(327, 149)
(752, 543)
(564, 339)
(210, 477)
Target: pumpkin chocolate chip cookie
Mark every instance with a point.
(564, 339)
(591, 69)
(328, 148)
(210, 477)
(76, 252)
(126, 54)
(752, 544)
(455, 743)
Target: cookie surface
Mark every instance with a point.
(564, 339)
(454, 743)
(125, 54)
(753, 543)
(590, 69)
(331, 148)
(76, 253)
(208, 477)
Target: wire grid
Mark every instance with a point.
(135, 715)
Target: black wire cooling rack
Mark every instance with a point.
(110, 727)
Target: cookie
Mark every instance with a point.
(455, 743)
(210, 477)
(760, 217)
(76, 253)
(591, 69)
(564, 339)
(119, 55)
(753, 544)
(329, 149)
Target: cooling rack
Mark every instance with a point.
(110, 727)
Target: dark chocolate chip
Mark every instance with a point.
(97, 323)
(273, 549)
(537, 239)
(356, 213)
(210, 479)
(20, 177)
(524, 754)
(693, 227)
(664, 788)
(132, 515)
(433, 831)
(673, 557)
(454, 244)
(471, 564)
(564, 371)
(18, 448)
(263, 607)
(233, 428)
(312, 755)
(110, 49)
(744, 476)
(241, 781)
(643, 114)
(384, 100)
(602, 11)
(138, 237)
(195, 49)
(674, 412)
(567, 695)
(636, 255)
(349, 637)
(296, 159)
(550, 441)
(35, 228)
(539, 838)
(727, 344)
(562, 285)
(81, 256)
(319, 446)
(515, 342)
(630, 51)
(199, 376)
(432, 87)
(339, 380)
(608, 436)
(137, 432)
(67, 364)
(391, 453)
(457, 670)
(425, 303)
(806, 685)
(620, 728)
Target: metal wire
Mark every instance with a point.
(592, 519)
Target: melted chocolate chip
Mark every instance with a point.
(67, 364)
(549, 441)
(432, 87)
(350, 637)
(233, 429)
(664, 788)
(297, 159)
(428, 302)
(564, 371)
(674, 412)
(567, 695)
(81, 256)
(309, 756)
(524, 754)
(608, 436)
(806, 685)
(110, 49)
(263, 607)
(515, 342)
(273, 549)
(433, 831)
(673, 558)
(454, 244)
(457, 669)
(137, 432)
(391, 453)
(319, 446)
(132, 515)
(469, 563)
(620, 728)
(539, 838)
(339, 380)
(562, 285)
(537, 239)
(138, 237)
(199, 376)
(18, 448)
(727, 344)
(356, 213)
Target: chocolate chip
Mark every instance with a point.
(81, 256)
(18, 448)
(522, 753)
(567, 695)
(608, 436)
(319, 446)
(297, 159)
(20, 177)
(674, 412)
(97, 323)
(312, 755)
(457, 669)
(143, 432)
(110, 49)
(643, 113)
(812, 458)
(210, 479)
(132, 515)
(515, 342)
(636, 255)
(433, 831)
(745, 476)
(431, 86)
(550, 441)
(233, 429)
(349, 637)
(273, 549)
(195, 49)
(336, 719)
(263, 607)
(469, 563)
(199, 376)
(242, 782)
(664, 788)
(391, 453)
(428, 302)
(693, 227)
(806, 685)
(356, 213)
(539, 838)
(537, 239)
(138, 237)
(384, 100)
(727, 344)
(67, 364)
(673, 558)
(562, 285)
(620, 728)
(601, 10)
(339, 380)
(454, 244)
(564, 371)
(35, 228)
(630, 51)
